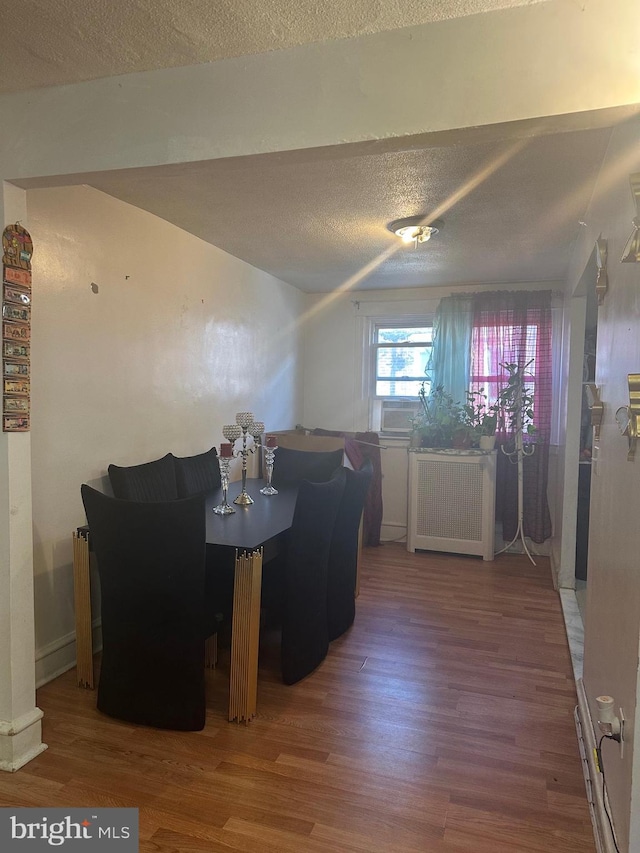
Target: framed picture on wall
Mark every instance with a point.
(12, 350)
(14, 368)
(15, 332)
(14, 276)
(16, 386)
(14, 405)
(16, 295)
(20, 313)
(15, 423)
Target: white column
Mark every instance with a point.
(20, 726)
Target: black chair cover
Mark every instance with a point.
(197, 475)
(292, 466)
(151, 481)
(343, 555)
(151, 561)
(305, 638)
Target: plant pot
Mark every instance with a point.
(461, 440)
(487, 442)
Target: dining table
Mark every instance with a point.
(255, 534)
(255, 531)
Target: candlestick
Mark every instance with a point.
(244, 499)
(269, 453)
(224, 461)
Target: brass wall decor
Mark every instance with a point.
(631, 253)
(596, 406)
(628, 417)
(602, 281)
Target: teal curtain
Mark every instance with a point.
(450, 362)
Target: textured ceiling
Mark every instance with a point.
(317, 218)
(511, 199)
(52, 42)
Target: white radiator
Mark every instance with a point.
(452, 497)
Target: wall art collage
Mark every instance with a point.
(17, 250)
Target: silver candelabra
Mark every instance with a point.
(244, 425)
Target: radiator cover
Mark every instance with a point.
(452, 496)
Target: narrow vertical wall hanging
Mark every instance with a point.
(17, 250)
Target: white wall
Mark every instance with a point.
(612, 622)
(179, 337)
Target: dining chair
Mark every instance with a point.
(343, 553)
(197, 475)
(151, 481)
(305, 636)
(292, 466)
(151, 566)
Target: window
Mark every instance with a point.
(494, 344)
(486, 373)
(400, 355)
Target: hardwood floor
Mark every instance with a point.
(441, 722)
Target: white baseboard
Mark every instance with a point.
(554, 560)
(393, 531)
(59, 656)
(592, 777)
(20, 740)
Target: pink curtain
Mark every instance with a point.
(515, 327)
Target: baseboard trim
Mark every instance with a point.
(20, 740)
(393, 531)
(9, 728)
(592, 778)
(13, 766)
(59, 656)
(555, 565)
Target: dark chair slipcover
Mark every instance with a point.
(343, 555)
(305, 638)
(197, 475)
(151, 562)
(292, 466)
(151, 481)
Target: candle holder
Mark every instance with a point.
(270, 448)
(243, 426)
(224, 508)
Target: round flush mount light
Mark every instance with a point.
(415, 229)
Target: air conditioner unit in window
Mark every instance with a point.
(396, 414)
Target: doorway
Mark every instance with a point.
(586, 446)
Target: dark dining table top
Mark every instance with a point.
(251, 526)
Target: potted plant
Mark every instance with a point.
(481, 418)
(515, 402)
(417, 424)
(442, 422)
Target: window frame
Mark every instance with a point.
(411, 321)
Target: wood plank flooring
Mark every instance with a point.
(441, 722)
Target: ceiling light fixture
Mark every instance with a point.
(415, 229)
